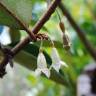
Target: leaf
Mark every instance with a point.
(20, 8)
(14, 35)
(28, 57)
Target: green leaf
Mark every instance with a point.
(28, 57)
(14, 35)
(20, 8)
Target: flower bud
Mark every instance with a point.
(61, 25)
(66, 41)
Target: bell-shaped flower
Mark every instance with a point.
(42, 65)
(56, 61)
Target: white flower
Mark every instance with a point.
(42, 65)
(56, 61)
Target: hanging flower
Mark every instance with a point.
(42, 65)
(56, 61)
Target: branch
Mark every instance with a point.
(35, 30)
(19, 21)
(38, 26)
(80, 32)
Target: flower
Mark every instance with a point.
(42, 65)
(56, 61)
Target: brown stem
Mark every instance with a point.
(80, 32)
(35, 30)
(46, 16)
(19, 21)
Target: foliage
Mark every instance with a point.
(29, 12)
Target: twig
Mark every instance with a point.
(35, 30)
(19, 21)
(80, 32)
(38, 26)
(46, 16)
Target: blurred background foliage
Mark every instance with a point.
(84, 13)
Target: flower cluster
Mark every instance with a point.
(42, 64)
(56, 61)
